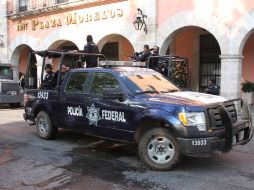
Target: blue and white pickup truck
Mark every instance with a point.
(138, 105)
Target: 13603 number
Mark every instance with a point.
(43, 95)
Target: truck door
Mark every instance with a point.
(72, 101)
(108, 117)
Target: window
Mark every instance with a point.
(76, 82)
(22, 5)
(5, 73)
(210, 64)
(102, 81)
(111, 51)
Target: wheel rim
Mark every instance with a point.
(161, 150)
(43, 126)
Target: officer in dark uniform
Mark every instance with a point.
(48, 81)
(64, 69)
(91, 47)
(154, 61)
(212, 87)
(143, 56)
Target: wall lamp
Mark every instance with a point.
(139, 21)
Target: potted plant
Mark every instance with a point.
(248, 89)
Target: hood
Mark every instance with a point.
(187, 98)
(199, 97)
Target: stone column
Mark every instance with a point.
(3, 32)
(39, 61)
(231, 74)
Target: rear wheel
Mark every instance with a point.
(158, 149)
(44, 126)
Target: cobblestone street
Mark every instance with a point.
(76, 161)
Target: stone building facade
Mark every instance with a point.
(216, 36)
(3, 34)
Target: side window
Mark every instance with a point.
(76, 82)
(102, 81)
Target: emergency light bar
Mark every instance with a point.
(121, 64)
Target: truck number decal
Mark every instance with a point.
(43, 95)
(199, 142)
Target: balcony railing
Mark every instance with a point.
(13, 6)
(33, 7)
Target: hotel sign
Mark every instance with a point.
(72, 18)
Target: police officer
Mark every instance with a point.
(154, 62)
(143, 56)
(91, 47)
(212, 87)
(64, 69)
(48, 81)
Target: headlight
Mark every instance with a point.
(193, 119)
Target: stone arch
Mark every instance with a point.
(62, 44)
(16, 44)
(188, 35)
(19, 60)
(79, 39)
(125, 47)
(124, 29)
(188, 19)
(58, 37)
(242, 31)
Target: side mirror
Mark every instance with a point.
(113, 93)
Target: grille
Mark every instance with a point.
(230, 107)
(5, 87)
(215, 116)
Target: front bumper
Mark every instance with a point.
(6, 99)
(239, 133)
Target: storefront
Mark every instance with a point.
(215, 36)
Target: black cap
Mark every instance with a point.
(48, 66)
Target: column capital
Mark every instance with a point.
(231, 56)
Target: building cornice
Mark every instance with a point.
(59, 8)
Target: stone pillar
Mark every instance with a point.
(231, 74)
(15, 69)
(39, 61)
(3, 33)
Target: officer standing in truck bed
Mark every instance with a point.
(48, 81)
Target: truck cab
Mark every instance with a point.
(10, 91)
(137, 105)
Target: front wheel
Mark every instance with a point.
(158, 149)
(44, 127)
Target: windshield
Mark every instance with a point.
(5, 73)
(147, 82)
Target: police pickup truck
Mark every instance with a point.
(10, 91)
(137, 105)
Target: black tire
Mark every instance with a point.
(15, 105)
(44, 127)
(158, 149)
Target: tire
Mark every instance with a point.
(158, 149)
(44, 127)
(15, 105)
